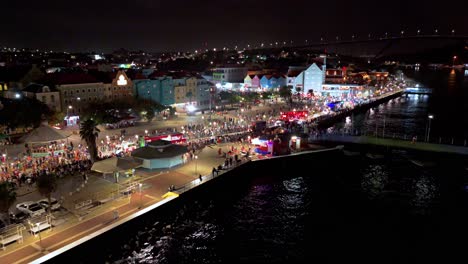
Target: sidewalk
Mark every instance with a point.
(76, 227)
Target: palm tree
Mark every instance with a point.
(89, 133)
(285, 93)
(7, 198)
(189, 95)
(46, 185)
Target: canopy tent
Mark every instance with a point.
(42, 134)
(116, 164)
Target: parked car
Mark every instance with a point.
(55, 205)
(31, 208)
(17, 216)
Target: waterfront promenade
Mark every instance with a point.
(75, 226)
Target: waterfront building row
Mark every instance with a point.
(73, 91)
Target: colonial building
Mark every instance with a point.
(48, 95)
(121, 87)
(78, 89)
(158, 89)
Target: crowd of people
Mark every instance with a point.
(27, 169)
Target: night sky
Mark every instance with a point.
(182, 25)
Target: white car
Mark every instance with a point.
(31, 208)
(44, 203)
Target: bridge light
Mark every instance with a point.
(436, 31)
(419, 31)
(402, 32)
(453, 31)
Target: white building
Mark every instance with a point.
(45, 94)
(310, 79)
(229, 74)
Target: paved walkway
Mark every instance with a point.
(76, 226)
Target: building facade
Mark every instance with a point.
(229, 74)
(313, 78)
(158, 89)
(203, 93)
(77, 96)
(121, 87)
(45, 94)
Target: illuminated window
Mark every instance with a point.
(121, 81)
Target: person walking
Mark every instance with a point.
(200, 177)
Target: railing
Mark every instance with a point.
(205, 178)
(11, 234)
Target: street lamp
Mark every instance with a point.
(453, 62)
(68, 110)
(139, 190)
(40, 238)
(196, 158)
(430, 117)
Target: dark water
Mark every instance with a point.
(331, 208)
(407, 116)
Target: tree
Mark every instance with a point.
(17, 113)
(189, 95)
(7, 198)
(46, 185)
(89, 133)
(286, 94)
(149, 113)
(266, 95)
(56, 117)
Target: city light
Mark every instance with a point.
(191, 108)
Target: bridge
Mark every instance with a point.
(393, 143)
(380, 48)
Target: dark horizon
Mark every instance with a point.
(159, 26)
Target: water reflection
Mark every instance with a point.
(425, 192)
(374, 179)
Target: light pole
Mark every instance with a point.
(453, 61)
(196, 158)
(139, 190)
(40, 238)
(430, 117)
(68, 110)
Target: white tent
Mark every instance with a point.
(42, 134)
